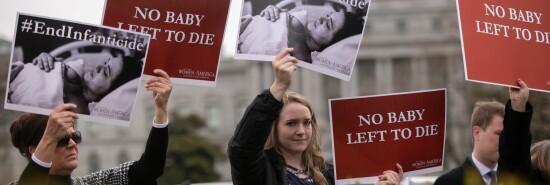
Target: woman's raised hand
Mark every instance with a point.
(519, 97)
(60, 121)
(161, 87)
(283, 67)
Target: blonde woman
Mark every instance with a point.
(277, 142)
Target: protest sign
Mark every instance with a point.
(186, 36)
(54, 61)
(325, 34)
(503, 41)
(371, 134)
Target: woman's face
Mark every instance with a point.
(102, 77)
(65, 158)
(294, 128)
(324, 29)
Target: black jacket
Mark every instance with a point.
(515, 149)
(250, 163)
(514, 166)
(466, 174)
(144, 171)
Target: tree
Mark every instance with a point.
(190, 156)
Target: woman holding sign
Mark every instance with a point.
(277, 142)
(50, 143)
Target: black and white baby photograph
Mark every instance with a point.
(325, 34)
(96, 68)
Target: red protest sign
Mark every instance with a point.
(371, 134)
(506, 40)
(186, 36)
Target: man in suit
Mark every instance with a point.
(488, 120)
(480, 167)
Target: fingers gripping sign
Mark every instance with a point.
(390, 177)
(283, 67)
(519, 97)
(60, 122)
(161, 87)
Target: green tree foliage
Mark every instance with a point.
(191, 156)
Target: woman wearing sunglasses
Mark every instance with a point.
(50, 143)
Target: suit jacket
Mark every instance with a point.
(466, 174)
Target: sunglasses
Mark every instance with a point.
(75, 136)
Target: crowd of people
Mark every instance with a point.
(277, 141)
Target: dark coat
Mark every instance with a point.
(514, 166)
(144, 171)
(515, 149)
(466, 174)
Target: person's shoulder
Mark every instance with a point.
(328, 171)
(328, 167)
(451, 177)
(273, 156)
(537, 178)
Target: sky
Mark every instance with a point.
(88, 11)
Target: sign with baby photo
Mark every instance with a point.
(506, 40)
(371, 134)
(54, 61)
(186, 36)
(325, 34)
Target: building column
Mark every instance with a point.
(254, 74)
(384, 75)
(458, 122)
(310, 85)
(420, 73)
(350, 89)
(267, 75)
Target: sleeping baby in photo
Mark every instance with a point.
(275, 29)
(48, 81)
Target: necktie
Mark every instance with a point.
(493, 177)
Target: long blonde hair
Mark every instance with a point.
(312, 156)
(540, 158)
